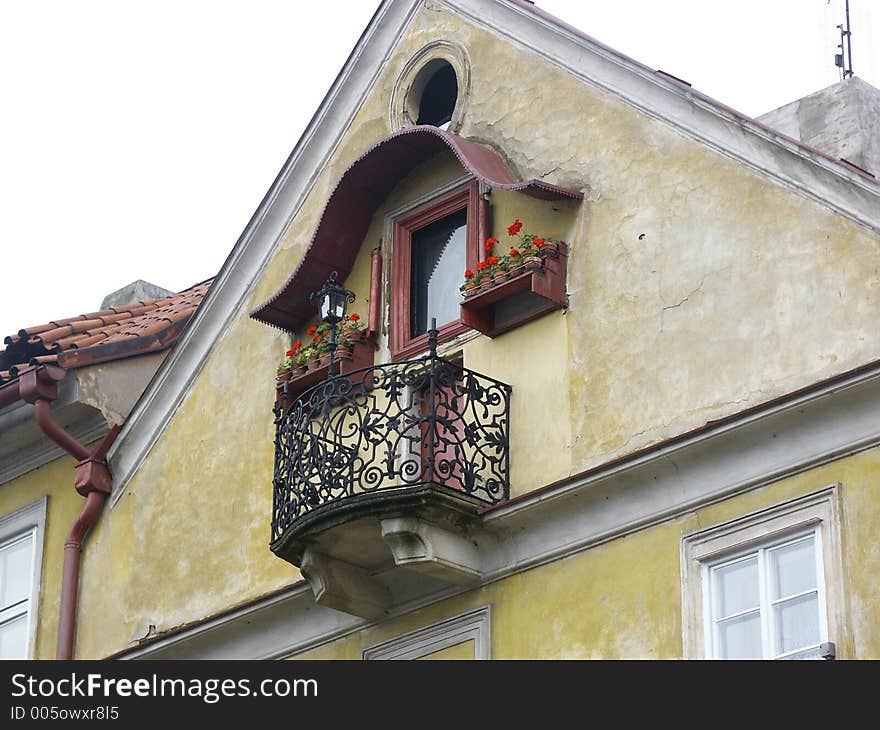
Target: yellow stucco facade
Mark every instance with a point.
(693, 285)
(623, 599)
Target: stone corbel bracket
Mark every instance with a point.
(431, 550)
(415, 544)
(345, 587)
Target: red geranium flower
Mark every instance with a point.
(481, 264)
(354, 317)
(539, 242)
(492, 260)
(468, 273)
(311, 330)
(297, 345)
(490, 244)
(515, 228)
(316, 338)
(514, 252)
(289, 353)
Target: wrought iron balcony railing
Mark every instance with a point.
(421, 422)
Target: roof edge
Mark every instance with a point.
(530, 7)
(144, 345)
(806, 170)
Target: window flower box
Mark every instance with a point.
(508, 291)
(522, 298)
(359, 356)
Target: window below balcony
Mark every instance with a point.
(467, 636)
(766, 585)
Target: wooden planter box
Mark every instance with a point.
(362, 357)
(514, 302)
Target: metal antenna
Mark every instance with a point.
(845, 35)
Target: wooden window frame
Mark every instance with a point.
(467, 197)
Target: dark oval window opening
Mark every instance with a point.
(438, 98)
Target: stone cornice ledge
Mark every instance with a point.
(830, 421)
(257, 243)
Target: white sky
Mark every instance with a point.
(137, 138)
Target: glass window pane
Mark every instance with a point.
(16, 571)
(797, 623)
(439, 258)
(736, 587)
(740, 638)
(13, 639)
(793, 568)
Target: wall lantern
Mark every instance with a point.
(332, 301)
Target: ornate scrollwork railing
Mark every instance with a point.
(405, 424)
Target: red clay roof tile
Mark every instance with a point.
(145, 326)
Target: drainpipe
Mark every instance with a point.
(91, 478)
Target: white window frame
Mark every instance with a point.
(817, 513)
(473, 626)
(29, 519)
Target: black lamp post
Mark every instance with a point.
(332, 301)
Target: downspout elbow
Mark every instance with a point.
(87, 518)
(46, 422)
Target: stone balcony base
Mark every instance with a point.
(357, 553)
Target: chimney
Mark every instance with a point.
(842, 120)
(135, 292)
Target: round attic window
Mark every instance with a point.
(432, 89)
(438, 97)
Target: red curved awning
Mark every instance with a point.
(359, 192)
